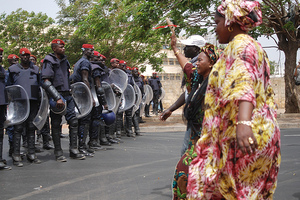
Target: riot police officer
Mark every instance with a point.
(155, 84)
(3, 104)
(98, 75)
(12, 59)
(55, 74)
(83, 73)
(136, 117)
(27, 75)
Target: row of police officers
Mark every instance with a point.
(103, 126)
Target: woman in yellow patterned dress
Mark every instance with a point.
(238, 154)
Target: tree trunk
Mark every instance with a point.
(292, 91)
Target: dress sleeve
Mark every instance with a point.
(242, 72)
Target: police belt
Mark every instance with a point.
(65, 93)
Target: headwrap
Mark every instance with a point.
(211, 51)
(237, 11)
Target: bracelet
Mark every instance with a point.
(248, 123)
(177, 52)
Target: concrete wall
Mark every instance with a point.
(172, 85)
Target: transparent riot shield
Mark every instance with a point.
(163, 93)
(94, 94)
(18, 105)
(83, 99)
(138, 98)
(110, 95)
(119, 78)
(150, 92)
(144, 100)
(42, 114)
(128, 99)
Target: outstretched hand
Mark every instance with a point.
(165, 115)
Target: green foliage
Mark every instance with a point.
(123, 28)
(273, 66)
(31, 30)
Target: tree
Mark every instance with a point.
(23, 29)
(123, 29)
(282, 19)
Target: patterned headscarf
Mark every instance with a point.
(211, 51)
(237, 11)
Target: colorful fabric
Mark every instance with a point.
(237, 11)
(211, 51)
(220, 168)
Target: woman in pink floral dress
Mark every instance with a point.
(238, 154)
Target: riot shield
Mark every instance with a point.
(110, 95)
(128, 98)
(144, 100)
(83, 99)
(42, 114)
(119, 78)
(150, 94)
(138, 98)
(18, 105)
(93, 91)
(163, 93)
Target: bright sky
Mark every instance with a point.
(50, 8)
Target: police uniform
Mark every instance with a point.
(156, 87)
(83, 123)
(3, 107)
(57, 72)
(128, 112)
(98, 71)
(136, 117)
(29, 79)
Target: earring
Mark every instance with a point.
(230, 29)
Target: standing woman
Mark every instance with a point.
(194, 113)
(238, 154)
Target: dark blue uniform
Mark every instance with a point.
(97, 72)
(156, 87)
(57, 72)
(84, 122)
(3, 103)
(29, 79)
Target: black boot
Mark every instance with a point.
(119, 123)
(46, 143)
(102, 138)
(93, 144)
(31, 157)
(73, 134)
(3, 165)
(128, 127)
(147, 108)
(82, 134)
(136, 125)
(17, 160)
(108, 130)
(94, 135)
(11, 148)
(58, 152)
